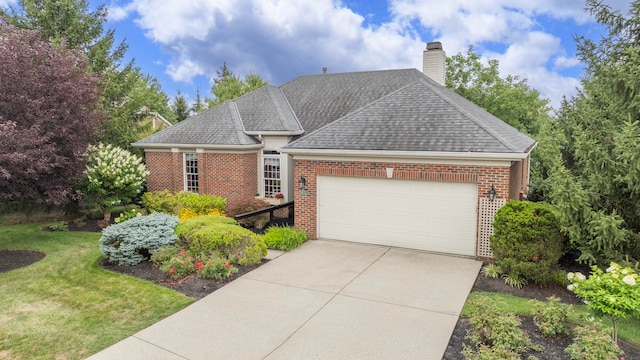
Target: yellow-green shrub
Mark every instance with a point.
(217, 235)
(170, 203)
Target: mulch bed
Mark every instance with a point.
(15, 259)
(191, 286)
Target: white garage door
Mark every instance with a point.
(426, 215)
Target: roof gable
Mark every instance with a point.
(220, 125)
(267, 110)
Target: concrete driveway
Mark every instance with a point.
(324, 300)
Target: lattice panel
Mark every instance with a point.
(485, 224)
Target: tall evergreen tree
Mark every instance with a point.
(180, 107)
(596, 179)
(198, 105)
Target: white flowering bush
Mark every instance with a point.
(113, 175)
(614, 293)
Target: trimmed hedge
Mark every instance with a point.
(527, 241)
(132, 241)
(221, 236)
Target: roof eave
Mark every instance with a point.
(199, 146)
(275, 133)
(410, 154)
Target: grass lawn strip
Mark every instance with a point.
(66, 306)
(628, 329)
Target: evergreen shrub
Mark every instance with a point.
(217, 235)
(132, 241)
(527, 241)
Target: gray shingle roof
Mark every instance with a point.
(265, 110)
(220, 125)
(392, 110)
(319, 100)
(421, 116)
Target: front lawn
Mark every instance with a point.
(66, 306)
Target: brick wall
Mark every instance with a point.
(165, 171)
(232, 176)
(305, 205)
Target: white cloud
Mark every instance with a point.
(281, 39)
(6, 3)
(563, 62)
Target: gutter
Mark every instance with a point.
(407, 154)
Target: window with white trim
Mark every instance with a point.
(271, 174)
(191, 172)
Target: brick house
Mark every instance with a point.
(384, 157)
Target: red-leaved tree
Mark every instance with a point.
(48, 115)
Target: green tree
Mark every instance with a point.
(512, 100)
(72, 22)
(595, 181)
(128, 95)
(228, 86)
(199, 104)
(129, 104)
(180, 107)
(509, 98)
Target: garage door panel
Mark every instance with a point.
(435, 216)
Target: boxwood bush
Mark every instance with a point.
(132, 241)
(527, 241)
(221, 236)
(284, 238)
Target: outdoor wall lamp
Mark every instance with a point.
(302, 182)
(492, 193)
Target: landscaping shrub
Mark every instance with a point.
(494, 328)
(178, 263)
(113, 176)
(59, 226)
(132, 241)
(527, 241)
(489, 353)
(160, 201)
(198, 204)
(592, 343)
(187, 226)
(217, 235)
(215, 268)
(284, 238)
(552, 317)
(614, 294)
(248, 205)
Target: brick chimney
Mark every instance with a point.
(434, 61)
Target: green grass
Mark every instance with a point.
(628, 330)
(66, 306)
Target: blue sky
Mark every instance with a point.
(183, 43)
